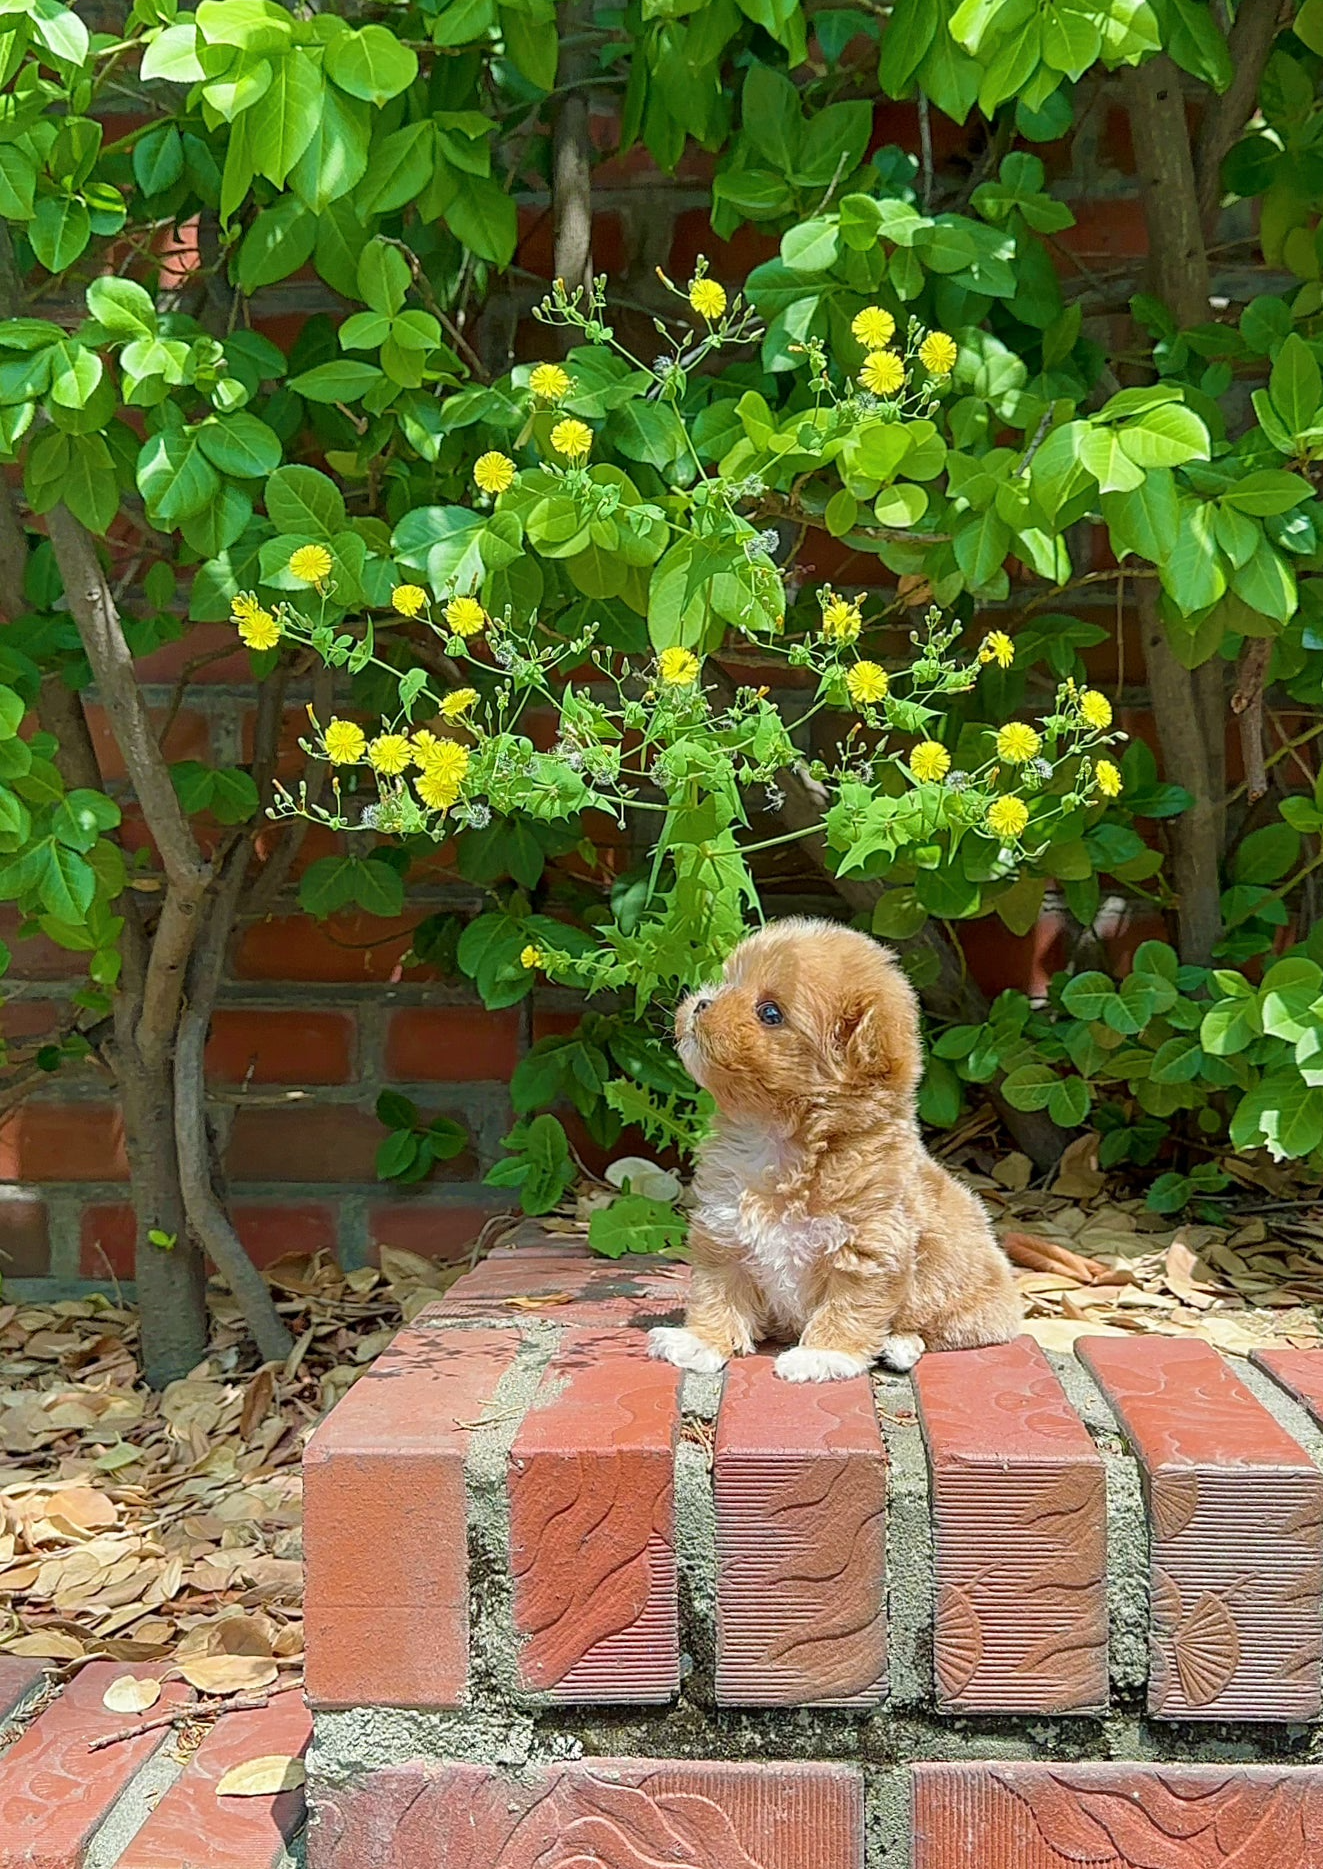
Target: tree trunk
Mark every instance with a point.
(571, 153)
(1189, 706)
(171, 1280)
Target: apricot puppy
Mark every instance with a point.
(819, 1215)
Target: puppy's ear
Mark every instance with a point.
(860, 1041)
(874, 1046)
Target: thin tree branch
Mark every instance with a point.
(1248, 43)
(94, 610)
(571, 157)
(1178, 256)
(13, 555)
(1247, 706)
(206, 1215)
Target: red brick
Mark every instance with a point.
(619, 1813)
(54, 1793)
(20, 1675)
(386, 1601)
(801, 1495)
(1019, 1505)
(211, 652)
(189, 737)
(1023, 1816)
(316, 1142)
(271, 1232)
(24, 1241)
(637, 1291)
(592, 1525)
(428, 1228)
(28, 1018)
(352, 948)
(1299, 1372)
(280, 1047)
(239, 1832)
(452, 1044)
(1236, 1534)
(108, 1241)
(63, 1142)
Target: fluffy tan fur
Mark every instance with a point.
(818, 1213)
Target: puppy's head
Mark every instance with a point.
(807, 1016)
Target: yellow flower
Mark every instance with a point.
(390, 753)
(310, 564)
(408, 599)
(1095, 709)
(929, 760)
(708, 299)
(494, 472)
(841, 621)
(677, 667)
(444, 765)
(346, 742)
(260, 630)
(458, 703)
(997, 648)
(882, 372)
(938, 353)
(1007, 817)
(532, 958)
(466, 616)
(244, 607)
(424, 744)
(572, 439)
(873, 327)
(1109, 778)
(549, 383)
(867, 682)
(1016, 743)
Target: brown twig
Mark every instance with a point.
(181, 1716)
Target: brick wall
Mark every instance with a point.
(316, 1018)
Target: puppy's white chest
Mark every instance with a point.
(741, 1206)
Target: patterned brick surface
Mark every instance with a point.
(801, 1493)
(386, 1600)
(1019, 1816)
(1019, 1504)
(576, 1287)
(592, 1542)
(1300, 1373)
(612, 1814)
(192, 1828)
(1236, 1521)
(54, 1793)
(19, 1677)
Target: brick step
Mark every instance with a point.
(530, 1489)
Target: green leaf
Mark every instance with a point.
(18, 177)
(1166, 437)
(158, 159)
(278, 243)
(174, 476)
(383, 277)
(342, 381)
(1229, 1026)
(1087, 995)
(1266, 855)
(285, 118)
(240, 445)
(172, 55)
(1069, 1102)
(65, 882)
(634, 1224)
(770, 115)
(300, 500)
(59, 230)
(122, 307)
(1295, 385)
(1030, 1087)
(371, 64)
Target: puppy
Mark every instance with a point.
(819, 1215)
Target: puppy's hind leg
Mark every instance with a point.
(723, 1319)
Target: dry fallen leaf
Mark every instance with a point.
(262, 1778)
(229, 1674)
(540, 1302)
(1014, 1172)
(129, 1694)
(1078, 1176)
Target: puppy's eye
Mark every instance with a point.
(769, 1013)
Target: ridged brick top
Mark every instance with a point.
(1182, 1405)
(1300, 1373)
(998, 1404)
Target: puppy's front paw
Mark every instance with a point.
(671, 1343)
(805, 1365)
(901, 1353)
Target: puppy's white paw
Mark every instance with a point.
(671, 1343)
(804, 1365)
(901, 1353)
